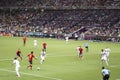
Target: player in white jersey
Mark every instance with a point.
(67, 39)
(107, 50)
(17, 66)
(35, 43)
(42, 56)
(104, 57)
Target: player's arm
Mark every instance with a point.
(35, 57)
(13, 63)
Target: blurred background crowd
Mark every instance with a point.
(88, 19)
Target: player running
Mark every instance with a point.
(30, 58)
(18, 54)
(35, 43)
(17, 66)
(24, 40)
(80, 49)
(66, 39)
(104, 57)
(42, 56)
(44, 46)
(107, 50)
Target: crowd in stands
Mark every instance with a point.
(61, 17)
(61, 4)
(60, 22)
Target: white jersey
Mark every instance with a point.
(103, 55)
(105, 72)
(43, 55)
(107, 50)
(35, 42)
(67, 38)
(17, 63)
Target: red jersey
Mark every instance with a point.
(44, 45)
(80, 50)
(30, 57)
(24, 38)
(18, 52)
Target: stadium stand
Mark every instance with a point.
(89, 19)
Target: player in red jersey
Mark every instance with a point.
(24, 40)
(80, 52)
(44, 46)
(30, 58)
(18, 53)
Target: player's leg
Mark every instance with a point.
(30, 65)
(81, 56)
(107, 77)
(106, 62)
(108, 56)
(66, 41)
(20, 57)
(17, 71)
(87, 49)
(104, 78)
(44, 49)
(41, 60)
(24, 42)
(35, 45)
(102, 60)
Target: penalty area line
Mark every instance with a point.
(35, 75)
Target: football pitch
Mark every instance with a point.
(61, 62)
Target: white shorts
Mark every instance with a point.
(104, 58)
(43, 57)
(35, 44)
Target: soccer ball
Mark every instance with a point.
(38, 68)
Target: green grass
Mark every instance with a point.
(62, 62)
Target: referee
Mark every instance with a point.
(105, 73)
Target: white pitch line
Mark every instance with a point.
(6, 59)
(59, 55)
(35, 75)
(114, 65)
(46, 56)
